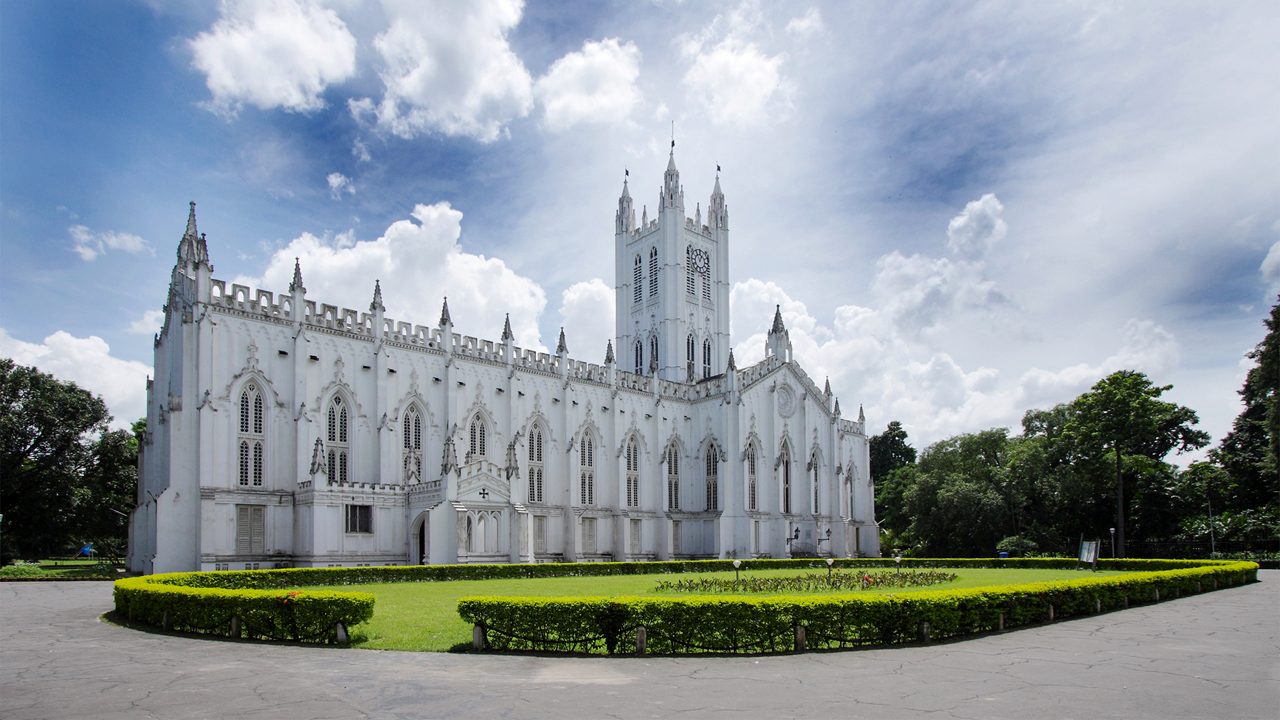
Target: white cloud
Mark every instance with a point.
(148, 324)
(447, 67)
(806, 25)
(274, 54)
(90, 245)
(973, 232)
(596, 84)
(360, 151)
(338, 184)
(418, 261)
(1270, 267)
(736, 83)
(88, 363)
(587, 311)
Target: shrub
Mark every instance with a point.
(720, 624)
(21, 569)
(189, 602)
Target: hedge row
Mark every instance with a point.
(187, 602)
(719, 624)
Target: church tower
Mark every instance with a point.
(672, 284)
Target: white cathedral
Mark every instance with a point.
(283, 431)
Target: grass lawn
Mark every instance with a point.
(424, 616)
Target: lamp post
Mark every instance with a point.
(897, 559)
(1113, 543)
(830, 562)
(1213, 545)
(736, 564)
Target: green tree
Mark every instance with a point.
(46, 429)
(1250, 452)
(889, 451)
(108, 491)
(958, 499)
(1122, 416)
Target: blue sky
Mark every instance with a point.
(965, 210)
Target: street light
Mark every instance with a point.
(898, 559)
(736, 564)
(830, 562)
(1113, 543)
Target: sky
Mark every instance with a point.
(965, 210)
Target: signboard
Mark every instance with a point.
(1089, 552)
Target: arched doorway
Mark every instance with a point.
(420, 541)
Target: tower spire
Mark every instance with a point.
(608, 353)
(296, 286)
(376, 305)
(188, 248)
(562, 347)
(507, 335)
(444, 313)
(778, 325)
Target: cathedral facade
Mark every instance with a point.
(283, 431)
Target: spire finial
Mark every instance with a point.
(733, 364)
(608, 353)
(836, 410)
(444, 313)
(377, 305)
(507, 335)
(861, 416)
(191, 222)
(826, 390)
(562, 347)
(778, 326)
(296, 286)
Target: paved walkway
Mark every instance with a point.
(1215, 655)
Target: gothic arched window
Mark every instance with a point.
(478, 433)
(633, 472)
(411, 445)
(689, 273)
(753, 502)
(784, 462)
(639, 357)
(587, 470)
(814, 466)
(535, 464)
(252, 438)
(673, 477)
(653, 272)
(638, 281)
(653, 351)
(337, 439)
(690, 356)
(713, 477)
(706, 358)
(706, 283)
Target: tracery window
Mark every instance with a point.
(252, 439)
(706, 359)
(706, 283)
(673, 477)
(587, 471)
(478, 432)
(713, 478)
(639, 357)
(753, 502)
(337, 439)
(653, 272)
(535, 464)
(638, 281)
(690, 274)
(633, 473)
(411, 445)
(691, 356)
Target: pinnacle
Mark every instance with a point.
(191, 222)
(837, 407)
(861, 416)
(826, 390)
(733, 365)
(778, 326)
(507, 335)
(444, 313)
(296, 286)
(608, 353)
(562, 347)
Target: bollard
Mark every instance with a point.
(801, 641)
(1097, 604)
(164, 621)
(1126, 602)
(1000, 624)
(340, 632)
(1199, 588)
(235, 626)
(1050, 612)
(1157, 593)
(477, 637)
(924, 631)
(642, 639)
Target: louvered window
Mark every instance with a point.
(251, 529)
(673, 478)
(535, 464)
(252, 439)
(337, 440)
(411, 443)
(653, 272)
(713, 478)
(587, 471)
(633, 473)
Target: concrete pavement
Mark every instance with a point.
(1215, 655)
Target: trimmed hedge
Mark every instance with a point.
(718, 624)
(199, 603)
